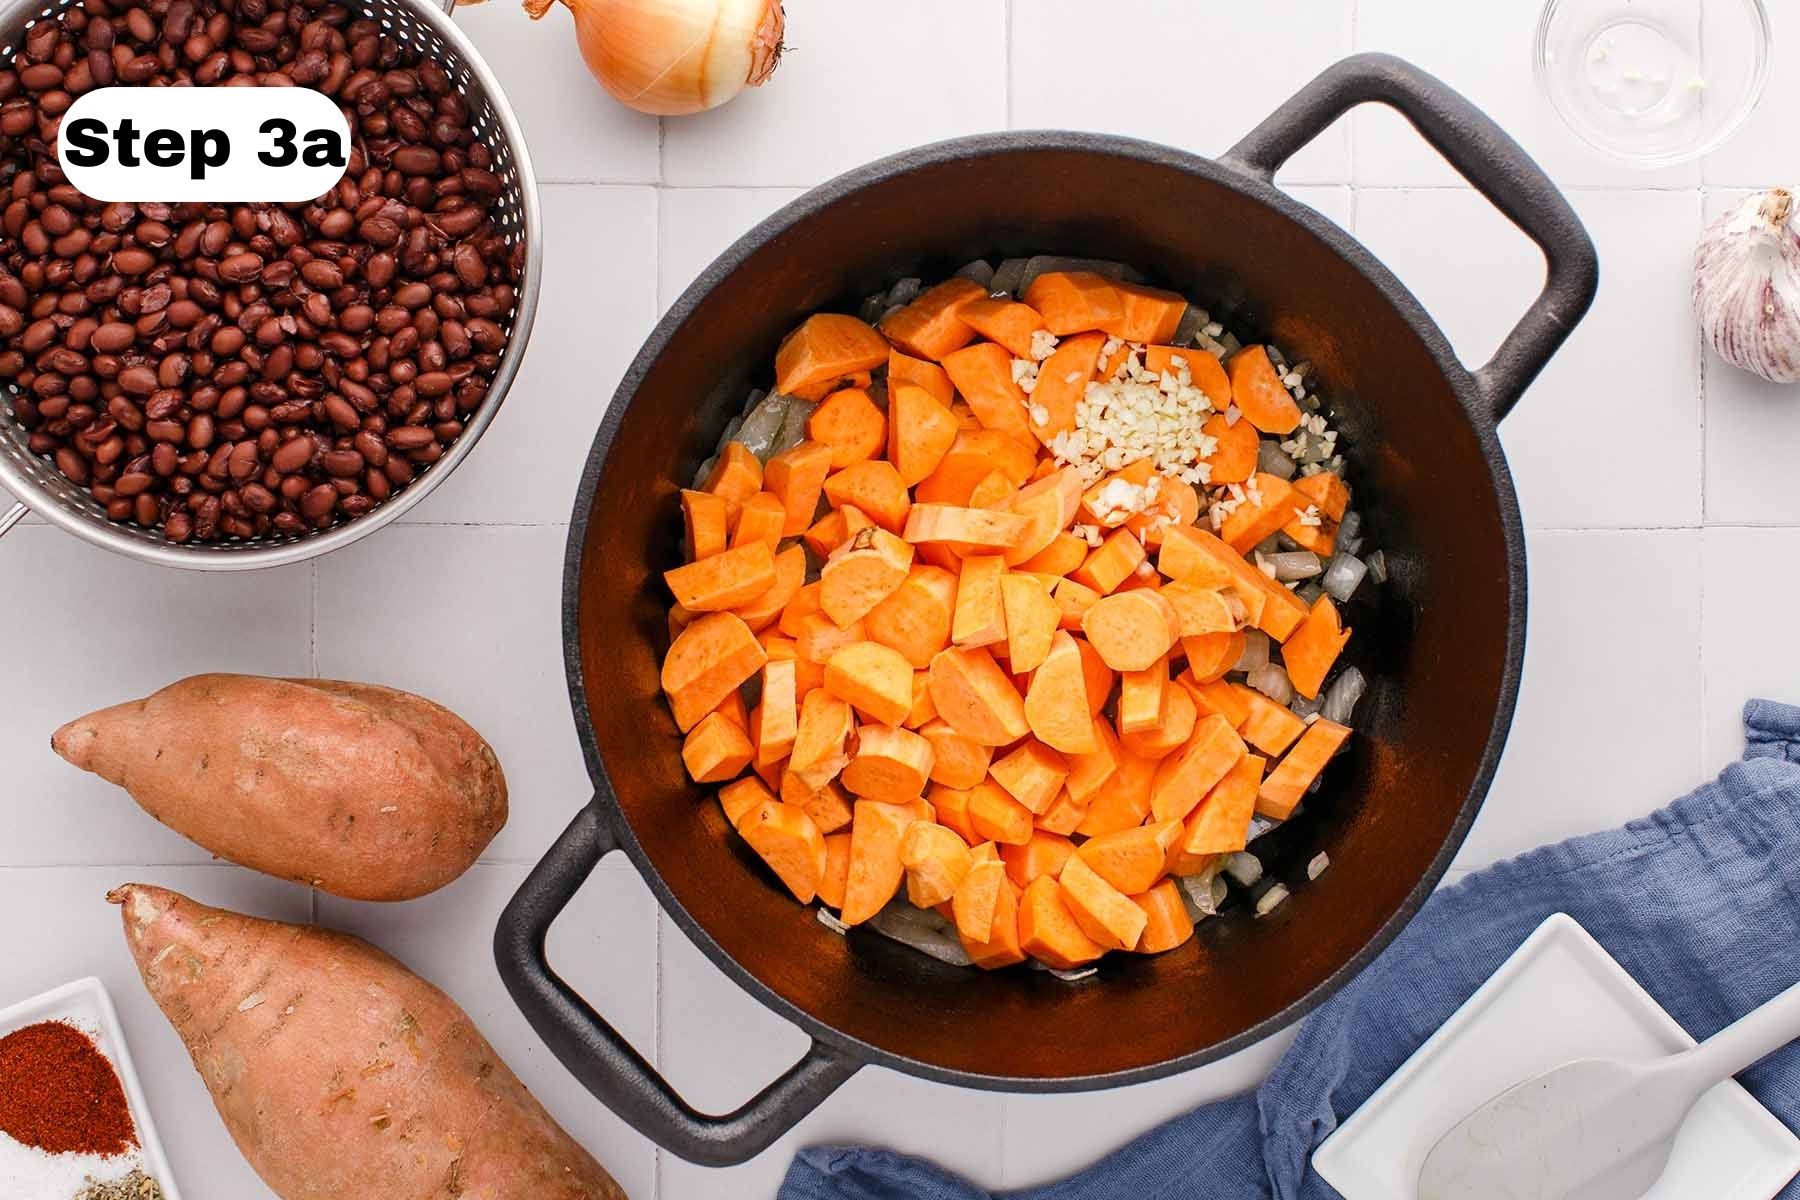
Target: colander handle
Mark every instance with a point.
(1484, 155)
(12, 517)
(605, 1062)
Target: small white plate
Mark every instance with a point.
(85, 1004)
(1560, 996)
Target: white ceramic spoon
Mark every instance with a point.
(1596, 1128)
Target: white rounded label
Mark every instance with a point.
(237, 144)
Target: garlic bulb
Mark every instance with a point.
(674, 57)
(1747, 287)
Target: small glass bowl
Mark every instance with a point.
(1652, 82)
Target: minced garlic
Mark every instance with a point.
(1139, 414)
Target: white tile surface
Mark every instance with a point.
(489, 646)
(1489, 61)
(574, 130)
(1756, 156)
(1634, 608)
(90, 629)
(859, 81)
(1630, 366)
(696, 225)
(1197, 78)
(1751, 577)
(1608, 722)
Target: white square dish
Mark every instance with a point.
(85, 1004)
(1559, 996)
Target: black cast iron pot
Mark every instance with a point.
(1443, 647)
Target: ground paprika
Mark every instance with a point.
(59, 1093)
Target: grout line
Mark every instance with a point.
(1006, 42)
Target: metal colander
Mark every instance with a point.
(422, 26)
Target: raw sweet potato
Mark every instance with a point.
(788, 841)
(1132, 630)
(929, 327)
(1166, 922)
(979, 618)
(1031, 620)
(1151, 314)
(920, 431)
(1062, 380)
(1032, 774)
(795, 477)
(1056, 703)
(1048, 930)
(337, 1071)
(1326, 493)
(875, 867)
(848, 423)
(935, 859)
(983, 376)
(861, 573)
(1308, 654)
(957, 761)
(1104, 912)
(904, 368)
(1183, 779)
(891, 765)
(1281, 792)
(915, 619)
(726, 580)
(1007, 322)
(361, 791)
(976, 698)
(826, 348)
(1259, 393)
(1203, 370)
(1075, 301)
(761, 518)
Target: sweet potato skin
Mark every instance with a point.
(337, 1071)
(362, 791)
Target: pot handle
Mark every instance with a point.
(605, 1062)
(1486, 156)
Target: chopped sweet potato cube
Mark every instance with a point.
(958, 761)
(904, 368)
(712, 657)
(821, 739)
(1202, 610)
(826, 348)
(835, 528)
(1064, 553)
(935, 859)
(1048, 505)
(997, 817)
(1044, 854)
(976, 698)
(1204, 371)
(1190, 553)
(973, 456)
(1056, 703)
(735, 477)
(741, 795)
(795, 477)
(915, 618)
(778, 712)
(1269, 726)
(862, 573)
(1166, 921)
(726, 580)
(1075, 302)
(1174, 725)
(1183, 779)
(1287, 783)
(1269, 503)
(1141, 696)
(1259, 393)
(979, 618)
(761, 518)
(1123, 801)
(1032, 774)
(950, 807)
(930, 326)
(1063, 815)
(849, 425)
(1111, 563)
(873, 486)
(920, 431)
(876, 832)
(786, 839)
(837, 869)
(820, 637)
(1049, 932)
(1151, 314)
(983, 375)
(1211, 655)
(1315, 646)
(1220, 824)
(706, 521)
(1002, 948)
(890, 764)
(977, 896)
(1229, 700)
(1325, 492)
(716, 750)
(967, 530)
(829, 807)
(1132, 630)
(1031, 618)
(1007, 322)
(873, 679)
(1236, 446)
(790, 576)
(1104, 913)
(1062, 381)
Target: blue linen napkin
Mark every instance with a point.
(1700, 901)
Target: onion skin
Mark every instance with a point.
(671, 58)
(1747, 287)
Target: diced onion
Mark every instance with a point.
(1260, 825)
(1008, 277)
(1341, 697)
(1302, 707)
(905, 291)
(762, 425)
(793, 427)
(830, 921)
(1309, 593)
(704, 469)
(1272, 681)
(1256, 651)
(736, 423)
(1243, 867)
(1075, 976)
(1271, 460)
(1317, 866)
(872, 308)
(923, 930)
(1270, 900)
(1377, 563)
(1350, 526)
(981, 271)
(1291, 565)
(1344, 575)
(1193, 320)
